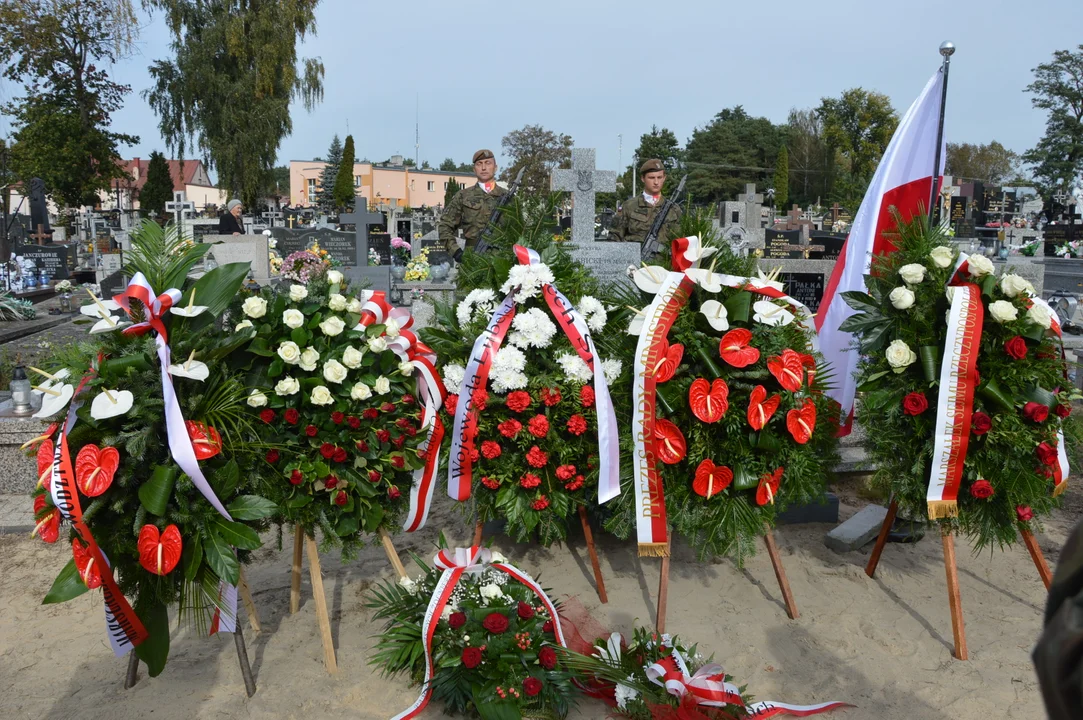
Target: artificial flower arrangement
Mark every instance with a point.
(533, 430)
(941, 336)
(347, 401)
(731, 423)
(417, 269)
(479, 635)
(374, 256)
(144, 458)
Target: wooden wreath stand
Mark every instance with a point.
(238, 638)
(776, 563)
(318, 596)
(958, 631)
(598, 581)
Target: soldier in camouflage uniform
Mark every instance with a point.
(636, 216)
(471, 207)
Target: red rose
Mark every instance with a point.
(510, 428)
(1035, 412)
(370, 414)
(383, 436)
(980, 423)
(451, 402)
(547, 658)
(538, 426)
(1016, 348)
(982, 489)
(549, 396)
(490, 483)
(577, 424)
(410, 430)
(1047, 454)
(1024, 513)
(340, 455)
(540, 504)
(575, 484)
(374, 476)
(311, 430)
(394, 493)
(341, 499)
(456, 620)
(267, 416)
(1063, 410)
(480, 398)
(398, 461)
(586, 396)
(292, 416)
(387, 407)
(490, 449)
(532, 686)
(296, 477)
(407, 399)
(337, 417)
(537, 457)
(272, 456)
(354, 422)
(327, 450)
(403, 423)
(1044, 472)
(548, 626)
(330, 481)
(495, 623)
(566, 472)
(362, 446)
(518, 401)
(399, 442)
(529, 481)
(915, 403)
(471, 657)
(525, 611)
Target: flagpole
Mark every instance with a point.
(947, 49)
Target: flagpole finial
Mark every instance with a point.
(947, 48)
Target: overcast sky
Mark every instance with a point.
(596, 69)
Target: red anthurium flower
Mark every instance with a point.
(709, 401)
(809, 363)
(205, 439)
(735, 348)
(761, 407)
(48, 521)
(159, 554)
(89, 571)
(711, 479)
(669, 442)
(45, 464)
(768, 487)
(669, 359)
(95, 468)
(801, 422)
(787, 369)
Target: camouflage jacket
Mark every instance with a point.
(469, 211)
(635, 218)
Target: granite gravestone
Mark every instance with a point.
(831, 242)
(375, 277)
(805, 287)
(783, 244)
(181, 207)
(56, 260)
(250, 249)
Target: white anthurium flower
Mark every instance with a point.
(108, 324)
(716, 315)
(93, 310)
(191, 309)
(610, 654)
(111, 403)
(706, 278)
(649, 278)
(61, 374)
(768, 313)
(635, 325)
(696, 251)
(762, 280)
(55, 400)
(194, 370)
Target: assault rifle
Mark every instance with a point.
(651, 246)
(505, 199)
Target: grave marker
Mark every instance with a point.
(180, 206)
(376, 277)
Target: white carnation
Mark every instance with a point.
(287, 386)
(298, 293)
(336, 302)
(360, 391)
(477, 302)
(256, 399)
(533, 328)
(1013, 285)
(611, 369)
(293, 318)
(624, 694)
(254, 307)
(334, 371)
(593, 312)
(527, 280)
(1040, 315)
(351, 357)
(912, 273)
(289, 352)
(900, 356)
(1003, 311)
(321, 396)
(453, 376)
(942, 256)
(309, 358)
(382, 385)
(901, 298)
(332, 326)
(575, 370)
(979, 266)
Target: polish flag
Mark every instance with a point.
(903, 180)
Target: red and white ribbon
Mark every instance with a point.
(707, 685)
(769, 709)
(455, 564)
(155, 306)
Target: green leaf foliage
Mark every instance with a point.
(66, 586)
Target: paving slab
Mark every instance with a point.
(858, 530)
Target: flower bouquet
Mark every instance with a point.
(400, 251)
(145, 454)
(479, 635)
(943, 337)
(417, 269)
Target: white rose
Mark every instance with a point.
(1013, 285)
(289, 352)
(901, 297)
(360, 391)
(354, 306)
(408, 585)
(257, 399)
(287, 386)
(321, 396)
(391, 328)
(351, 357)
(949, 293)
(334, 371)
(293, 318)
(1003, 311)
(382, 385)
(406, 368)
(336, 302)
(332, 326)
(979, 266)
(334, 277)
(491, 591)
(912, 273)
(377, 344)
(243, 324)
(1039, 315)
(254, 307)
(298, 293)
(899, 355)
(942, 256)
(309, 358)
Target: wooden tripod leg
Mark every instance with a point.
(320, 600)
(477, 533)
(242, 657)
(295, 570)
(133, 670)
(392, 553)
(889, 520)
(593, 555)
(954, 599)
(249, 605)
(663, 591)
(780, 575)
(1038, 558)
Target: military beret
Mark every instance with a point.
(483, 155)
(652, 165)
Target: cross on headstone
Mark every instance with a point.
(270, 217)
(835, 210)
(795, 219)
(180, 206)
(361, 217)
(753, 202)
(583, 181)
(41, 236)
(750, 195)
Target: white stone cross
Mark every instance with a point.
(180, 206)
(583, 181)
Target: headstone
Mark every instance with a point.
(783, 244)
(376, 278)
(271, 216)
(202, 228)
(113, 284)
(251, 249)
(180, 206)
(56, 260)
(806, 288)
(39, 209)
(832, 245)
(796, 220)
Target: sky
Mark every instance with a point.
(604, 72)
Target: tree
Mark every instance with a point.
(325, 188)
(782, 178)
(539, 151)
(448, 165)
(452, 188)
(1058, 89)
(55, 49)
(859, 125)
(227, 91)
(158, 189)
(278, 183)
(734, 147)
(812, 162)
(993, 164)
(344, 192)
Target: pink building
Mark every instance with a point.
(379, 184)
